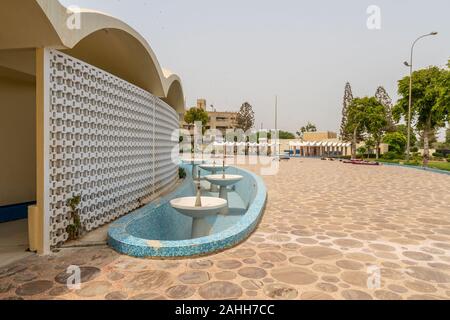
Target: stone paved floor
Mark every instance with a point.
(325, 228)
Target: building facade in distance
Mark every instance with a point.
(219, 120)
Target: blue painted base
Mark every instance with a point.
(15, 212)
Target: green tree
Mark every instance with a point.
(310, 127)
(246, 117)
(359, 120)
(285, 135)
(348, 98)
(194, 115)
(377, 122)
(403, 129)
(396, 141)
(383, 97)
(429, 103)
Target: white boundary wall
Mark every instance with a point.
(107, 140)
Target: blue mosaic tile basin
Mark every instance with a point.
(157, 230)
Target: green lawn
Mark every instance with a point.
(440, 165)
(432, 164)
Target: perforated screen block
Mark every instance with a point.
(110, 142)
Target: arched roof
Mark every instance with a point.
(102, 40)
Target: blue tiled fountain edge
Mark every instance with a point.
(120, 240)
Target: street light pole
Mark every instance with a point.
(410, 65)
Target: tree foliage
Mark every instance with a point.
(430, 107)
(309, 127)
(365, 116)
(196, 115)
(383, 97)
(348, 98)
(246, 117)
(396, 141)
(285, 135)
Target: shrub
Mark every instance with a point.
(391, 155)
(396, 141)
(181, 173)
(414, 149)
(438, 155)
(75, 227)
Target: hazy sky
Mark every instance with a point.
(303, 51)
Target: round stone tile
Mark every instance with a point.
(301, 261)
(356, 278)
(93, 289)
(59, 291)
(280, 292)
(194, 277)
(381, 247)
(180, 292)
(225, 275)
(355, 295)
(272, 256)
(326, 268)
(148, 280)
(427, 274)
(294, 275)
(396, 288)
(252, 284)
(420, 286)
(243, 253)
(316, 295)
(116, 296)
(115, 276)
(327, 287)
(229, 264)
(201, 264)
(362, 257)
(148, 297)
(252, 273)
(220, 290)
(321, 253)
(350, 265)
(419, 256)
(87, 274)
(34, 288)
(387, 295)
(348, 243)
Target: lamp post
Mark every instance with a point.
(410, 65)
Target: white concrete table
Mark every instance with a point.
(194, 162)
(210, 206)
(224, 181)
(213, 169)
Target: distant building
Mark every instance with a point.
(319, 136)
(219, 120)
(319, 144)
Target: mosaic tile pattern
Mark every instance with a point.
(325, 226)
(110, 142)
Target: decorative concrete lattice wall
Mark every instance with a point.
(109, 141)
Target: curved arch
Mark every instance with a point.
(175, 97)
(112, 45)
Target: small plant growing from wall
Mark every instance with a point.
(75, 228)
(181, 173)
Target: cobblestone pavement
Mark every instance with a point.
(329, 229)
